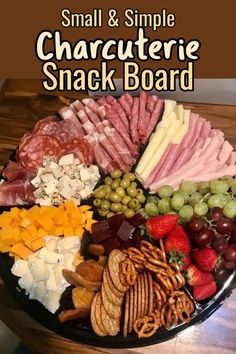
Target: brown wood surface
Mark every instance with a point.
(19, 110)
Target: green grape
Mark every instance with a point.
(177, 201)
(164, 206)
(186, 212)
(228, 179)
(217, 200)
(151, 209)
(184, 194)
(201, 208)
(217, 187)
(165, 191)
(233, 188)
(230, 209)
(203, 187)
(194, 198)
(153, 199)
(188, 187)
(143, 213)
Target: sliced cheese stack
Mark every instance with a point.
(41, 274)
(184, 147)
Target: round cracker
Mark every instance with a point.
(143, 296)
(98, 313)
(110, 291)
(139, 297)
(97, 329)
(112, 310)
(114, 259)
(150, 297)
(135, 301)
(126, 317)
(111, 326)
(146, 293)
(131, 308)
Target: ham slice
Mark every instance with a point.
(78, 106)
(134, 121)
(94, 118)
(119, 110)
(68, 114)
(14, 171)
(225, 170)
(92, 104)
(225, 152)
(126, 101)
(151, 102)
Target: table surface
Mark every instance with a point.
(20, 108)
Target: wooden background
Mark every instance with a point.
(21, 105)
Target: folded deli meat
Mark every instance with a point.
(111, 133)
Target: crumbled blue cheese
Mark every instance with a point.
(62, 179)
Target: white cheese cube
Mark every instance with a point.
(86, 192)
(46, 201)
(50, 187)
(47, 177)
(51, 282)
(76, 161)
(20, 268)
(51, 243)
(53, 165)
(57, 172)
(52, 301)
(39, 270)
(66, 160)
(38, 293)
(85, 175)
(60, 280)
(36, 182)
(50, 256)
(67, 192)
(76, 184)
(67, 243)
(26, 282)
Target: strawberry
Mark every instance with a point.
(183, 260)
(204, 291)
(178, 240)
(160, 226)
(196, 277)
(205, 259)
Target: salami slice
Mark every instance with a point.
(42, 122)
(32, 153)
(80, 148)
(63, 131)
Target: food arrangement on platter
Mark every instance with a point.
(121, 213)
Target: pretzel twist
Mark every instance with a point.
(128, 274)
(147, 326)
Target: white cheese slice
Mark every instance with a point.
(20, 267)
(51, 282)
(169, 106)
(51, 243)
(39, 270)
(50, 256)
(38, 293)
(179, 110)
(26, 282)
(66, 160)
(60, 280)
(52, 301)
(68, 243)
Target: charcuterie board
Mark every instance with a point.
(82, 331)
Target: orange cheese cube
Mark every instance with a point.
(37, 244)
(89, 224)
(32, 229)
(79, 231)
(76, 214)
(69, 206)
(4, 248)
(58, 231)
(68, 231)
(42, 232)
(21, 250)
(88, 214)
(16, 234)
(23, 213)
(45, 221)
(6, 236)
(84, 208)
(61, 218)
(25, 222)
(15, 212)
(33, 213)
(26, 236)
(5, 220)
(74, 223)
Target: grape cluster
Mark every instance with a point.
(194, 199)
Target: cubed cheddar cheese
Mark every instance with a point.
(32, 229)
(25, 222)
(89, 223)
(79, 231)
(74, 223)
(5, 221)
(84, 208)
(76, 214)
(58, 231)
(89, 215)
(7, 236)
(15, 212)
(68, 231)
(42, 232)
(45, 221)
(69, 206)
(21, 250)
(23, 213)
(37, 244)
(25, 235)
(16, 233)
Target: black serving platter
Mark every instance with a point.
(82, 332)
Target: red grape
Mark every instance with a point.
(225, 226)
(233, 236)
(220, 246)
(221, 274)
(203, 237)
(229, 265)
(216, 213)
(217, 236)
(196, 223)
(230, 254)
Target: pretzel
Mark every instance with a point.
(136, 256)
(163, 250)
(157, 266)
(183, 305)
(147, 326)
(128, 274)
(160, 296)
(169, 315)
